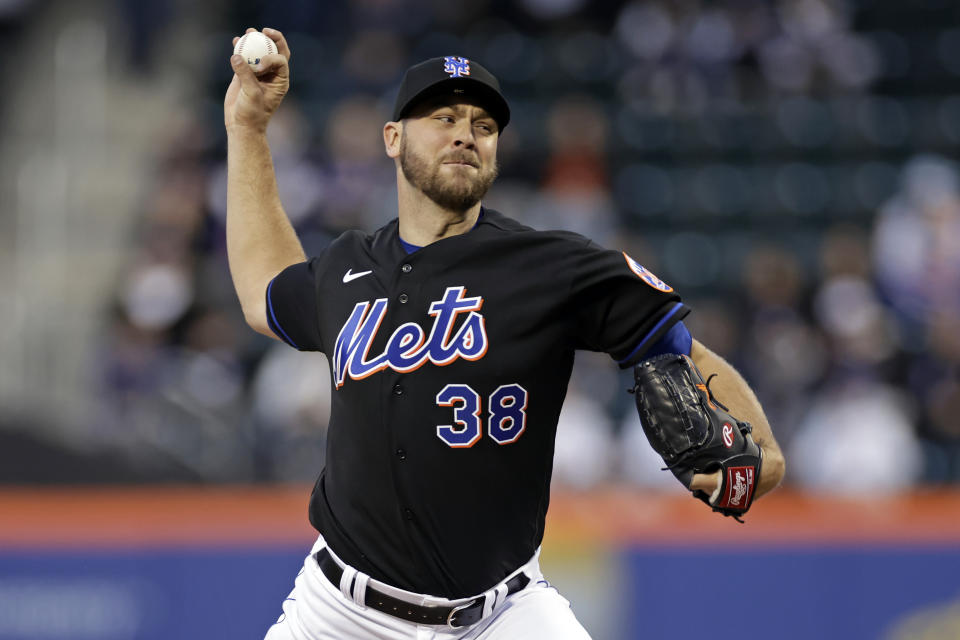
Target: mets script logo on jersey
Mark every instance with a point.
(456, 67)
(646, 275)
(409, 347)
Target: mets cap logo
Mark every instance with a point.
(646, 275)
(456, 67)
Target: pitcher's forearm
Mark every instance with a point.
(261, 241)
(732, 390)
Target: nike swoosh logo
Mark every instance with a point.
(347, 277)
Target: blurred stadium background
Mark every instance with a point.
(789, 166)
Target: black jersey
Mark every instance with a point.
(450, 366)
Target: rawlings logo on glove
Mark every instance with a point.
(694, 433)
(740, 483)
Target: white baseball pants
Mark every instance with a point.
(318, 610)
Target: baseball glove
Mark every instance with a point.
(694, 433)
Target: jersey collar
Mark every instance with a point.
(409, 247)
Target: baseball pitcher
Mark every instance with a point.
(451, 334)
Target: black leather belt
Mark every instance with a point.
(460, 616)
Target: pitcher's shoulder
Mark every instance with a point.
(509, 225)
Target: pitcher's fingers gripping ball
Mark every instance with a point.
(253, 45)
(694, 433)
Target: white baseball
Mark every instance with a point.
(253, 46)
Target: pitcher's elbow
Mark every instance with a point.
(775, 465)
(255, 315)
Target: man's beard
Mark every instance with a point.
(451, 193)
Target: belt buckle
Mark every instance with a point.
(457, 610)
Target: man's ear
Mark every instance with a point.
(392, 132)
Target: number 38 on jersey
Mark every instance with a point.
(506, 415)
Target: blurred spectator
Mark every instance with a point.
(291, 404)
(917, 243)
(934, 378)
(575, 193)
(360, 179)
(846, 306)
(784, 355)
(585, 447)
(857, 438)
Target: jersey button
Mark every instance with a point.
(401, 454)
(408, 514)
(403, 298)
(406, 268)
(397, 390)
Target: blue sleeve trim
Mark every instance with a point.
(643, 343)
(676, 340)
(273, 319)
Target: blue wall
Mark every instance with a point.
(789, 593)
(144, 595)
(785, 593)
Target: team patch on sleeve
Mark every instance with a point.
(646, 275)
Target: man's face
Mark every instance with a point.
(448, 150)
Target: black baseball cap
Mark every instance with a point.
(451, 75)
